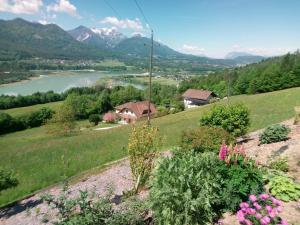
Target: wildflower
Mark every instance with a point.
(223, 152)
(257, 206)
(252, 198)
(283, 222)
(258, 215)
(265, 220)
(248, 222)
(241, 216)
(272, 213)
(269, 208)
(244, 205)
(264, 196)
(250, 211)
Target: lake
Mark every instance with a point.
(58, 81)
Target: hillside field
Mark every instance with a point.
(41, 160)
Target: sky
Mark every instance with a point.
(200, 27)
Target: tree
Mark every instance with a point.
(95, 119)
(143, 148)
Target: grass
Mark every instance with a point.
(40, 160)
(159, 80)
(29, 109)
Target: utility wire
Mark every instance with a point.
(112, 8)
(143, 14)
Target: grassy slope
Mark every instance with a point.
(37, 157)
(28, 109)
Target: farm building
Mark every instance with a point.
(195, 97)
(130, 112)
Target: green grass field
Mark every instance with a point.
(29, 109)
(38, 161)
(159, 80)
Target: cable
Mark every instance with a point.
(143, 14)
(112, 8)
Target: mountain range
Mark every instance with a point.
(20, 38)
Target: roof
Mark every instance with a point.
(197, 94)
(109, 116)
(137, 107)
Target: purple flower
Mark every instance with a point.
(248, 222)
(283, 222)
(241, 216)
(275, 201)
(252, 198)
(257, 206)
(279, 209)
(272, 214)
(265, 220)
(244, 205)
(264, 197)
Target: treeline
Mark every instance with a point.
(269, 75)
(14, 76)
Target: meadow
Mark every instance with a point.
(41, 160)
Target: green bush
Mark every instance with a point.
(233, 118)
(7, 179)
(280, 164)
(274, 133)
(205, 139)
(6, 123)
(186, 189)
(83, 211)
(284, 188)
(241, 180)
(95, 119)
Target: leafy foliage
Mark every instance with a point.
(261, 209)
(279, 163)
(205, 139)
(186, 189)
(7, 179)
(241, 177)
(88, 210)
(284, 188)
(95, 119)
(143, 148)
(274, 133)
(232, 118)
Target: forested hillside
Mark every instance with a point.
(269, 75)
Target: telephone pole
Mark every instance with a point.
(150, 79)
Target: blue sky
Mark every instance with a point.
(210, 27)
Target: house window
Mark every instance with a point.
(126, 110)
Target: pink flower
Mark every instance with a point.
(258, 215)
(257, 206)
(265, 220)
(251, 211)
(264, 196)
(244, 205)
(279, 209)
(269, 208)
(283, 222)
(252, 198)
(241, 216)
(272, 214)
(223, 152)
(248, 222)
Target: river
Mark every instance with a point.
(58, 81)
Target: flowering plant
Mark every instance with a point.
(261, 210)
(232, 155)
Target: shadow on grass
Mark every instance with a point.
(18, 208)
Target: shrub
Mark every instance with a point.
(262, 209)
(143, 148)
(161, 111)
(205, 139)
(6, 123)
(274, 133)
(186, 189)
(284, 188)
(233, 118)
(7, 179)
(280, 164)
(241, 178)
(85, 211)
(95, 119)
(36, 119)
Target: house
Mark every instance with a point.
(195, 97)
(110, 117)
(130, 112)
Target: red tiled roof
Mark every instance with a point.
(197, 94)
(138, 108)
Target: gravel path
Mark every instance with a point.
(31, 211)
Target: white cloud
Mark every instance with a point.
(63, 6)
(262, 50)
(20, 6)
(192, 49)
(124, 24)
(43, 22)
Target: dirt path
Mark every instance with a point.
(31, 211)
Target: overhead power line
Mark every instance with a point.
(112, 8)
(142, 12)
